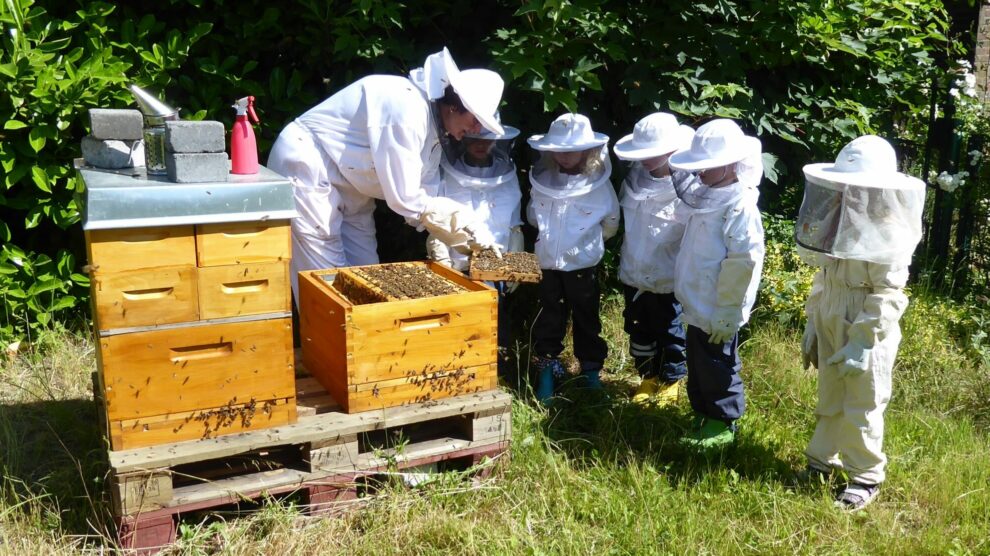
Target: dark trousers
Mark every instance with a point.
(656, 334)
(714, 385)
(571, 293)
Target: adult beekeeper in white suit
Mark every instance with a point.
(860, 222)
(379, 138)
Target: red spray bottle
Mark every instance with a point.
(243, 146)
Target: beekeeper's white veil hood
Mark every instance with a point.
(480, 90)
(861, 207)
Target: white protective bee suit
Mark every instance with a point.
(377, 139)
(652, 231)
(492, 192)
(574, 215)
(860, 222)
(718, 267)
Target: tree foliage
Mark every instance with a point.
(805, 75)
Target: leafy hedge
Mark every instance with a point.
(805, 75)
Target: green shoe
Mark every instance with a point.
(711, 435)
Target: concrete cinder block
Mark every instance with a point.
(112, 153)
(196, 167)
(194, 137)
(108, 123)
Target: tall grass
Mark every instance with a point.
(594, 474)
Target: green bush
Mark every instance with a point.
(786, 279)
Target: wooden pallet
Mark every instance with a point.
(322, 459)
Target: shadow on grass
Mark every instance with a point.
(592, 428)
(52, 452)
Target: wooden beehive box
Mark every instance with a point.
(371, 354)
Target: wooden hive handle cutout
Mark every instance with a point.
(248, 286)
(204, 351)
(421, 323)
(150, 293)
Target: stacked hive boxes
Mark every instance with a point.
(191, 303)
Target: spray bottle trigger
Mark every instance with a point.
(251, 114)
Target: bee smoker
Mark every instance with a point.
(156, 113)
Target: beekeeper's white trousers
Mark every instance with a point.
(849, 432)
(336, 225)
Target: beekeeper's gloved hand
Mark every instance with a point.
(852, 359)
(456, 225)
(438, 251)
(725, 325)
(480, 238)
(809, 346)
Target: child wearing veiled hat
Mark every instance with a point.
(575, 209)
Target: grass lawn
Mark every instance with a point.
(594, 475)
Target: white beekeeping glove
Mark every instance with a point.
(457, 226)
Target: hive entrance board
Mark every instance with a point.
(392, 282)
(518, 266)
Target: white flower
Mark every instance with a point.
(944, 180)
(964, 64)
(974, 157)
(970, 80)
(954, 92)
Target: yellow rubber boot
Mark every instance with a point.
(647, 389)
(667, 393)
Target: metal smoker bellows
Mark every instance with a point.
(156, 113)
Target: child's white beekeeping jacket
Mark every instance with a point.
(721, 256)
(492, 192)
(652, 233)
(574, 215)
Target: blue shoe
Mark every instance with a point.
(548, 371)
(590, 379)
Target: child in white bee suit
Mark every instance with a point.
(860, 222)
(479, 173)
(574, 208)
(649, 249)
(717, 272)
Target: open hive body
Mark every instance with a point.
(191, 306)
(371, 349)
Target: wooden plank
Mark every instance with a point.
(201, 424)
(242, 242)
(343, 453)
(121, 250)
(187, 369)
(141, 491)
(145, 297)
(311, 429)
(244, 289)
(486, 425)
(238, 488)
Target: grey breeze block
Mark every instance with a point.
(112, 153)
(111, 123)
(196, 167)
(183, 136)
